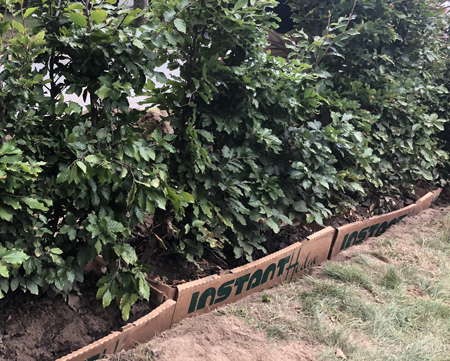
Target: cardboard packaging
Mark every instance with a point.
(355, 233)
(141, 330)
(206, 294)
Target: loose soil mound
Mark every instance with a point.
(215, 338)
(39, 328)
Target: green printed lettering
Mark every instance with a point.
(362, 235)
(293, 265)
(255, 279)
(401, 217)
(382, 229)
(193, 303)
(96, 357)
(271, 269)
(391, 223)
(305, 264)
(281, 264)
(210, 292)
(115, 348)
(352, 238)
(344, 244)
(373, 229)
(224, 291)
(240, 283)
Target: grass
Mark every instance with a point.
(391, 303)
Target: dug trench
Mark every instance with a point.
(45, 328)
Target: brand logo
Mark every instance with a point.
(286, 267)
(371, 231)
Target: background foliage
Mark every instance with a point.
(257, 142)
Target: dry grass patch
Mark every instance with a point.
(388, 300)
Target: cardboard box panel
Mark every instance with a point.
(141, 330)
(170, 292)
(436, 194)
(95, 351)
(355, 233)
(150, 325)
(424, 202)
(206, 294)
(157, 297)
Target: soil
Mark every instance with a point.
(40, 328)
(211, 337)
(170, 268)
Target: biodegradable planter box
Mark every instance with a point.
(141, 330)
(355, 233)
(206, 294)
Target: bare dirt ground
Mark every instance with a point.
(271, 326)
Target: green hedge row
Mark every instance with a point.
(258, 141)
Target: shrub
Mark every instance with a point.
(258, 141)
(99, 173)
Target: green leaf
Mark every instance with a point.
(34, 204)
(29, 11)
(32, 287)
(8, 147)
(63, 176)
(114, 226)
(131, 194)
(300, 206)
(180, 25)
(76, 6)
(240, 4)
(14, 257)
(137, 43)
(126, 312)
(82, 166)
(144, 289)
(78, 19)
(103, 92)
(4, 272)
(186, 197)
(6, 215)
(169, 14)
(99, 16)
(126, 252)
(106, 299)
(93, 159)
(12, 202)
(18, 26)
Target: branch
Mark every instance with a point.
(345, 29)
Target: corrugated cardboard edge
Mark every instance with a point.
(97, 350)
(170, 292)
(147, 327)
(142, 330)
(424, 202)
(157, 297)
(206, 294)
(436, 194)
(355, 233)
